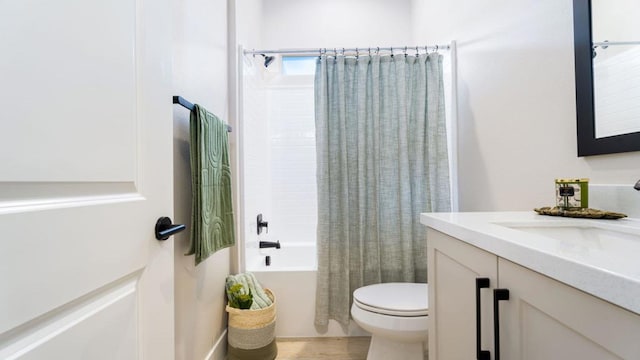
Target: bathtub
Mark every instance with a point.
(292, 278)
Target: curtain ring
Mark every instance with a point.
(342, 51)
(405, 51)
(254, 53)
(357, 53)
(391, 48)
(369, 52)
(378, 50)
(436, 48)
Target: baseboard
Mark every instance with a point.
(219, 349)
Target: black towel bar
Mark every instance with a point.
(182, 101)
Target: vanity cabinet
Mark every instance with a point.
(542, 318)
(453, 269)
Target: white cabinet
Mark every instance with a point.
(453, 269)
(542, 319)
(546, 319)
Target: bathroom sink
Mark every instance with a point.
(604, 243)
(584, 232)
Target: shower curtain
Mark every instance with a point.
(381, 160)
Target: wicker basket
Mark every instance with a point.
(252, 332)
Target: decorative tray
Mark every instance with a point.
(579, 213)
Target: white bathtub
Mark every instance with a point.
(292, 278)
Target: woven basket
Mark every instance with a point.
(253, 319)
(252, 333)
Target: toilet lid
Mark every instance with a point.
(398, 299)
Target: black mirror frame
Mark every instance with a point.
(588, 144)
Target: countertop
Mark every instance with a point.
(608, 269)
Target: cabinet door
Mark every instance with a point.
(545, 319)
(453, 269)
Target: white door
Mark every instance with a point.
(86, 170)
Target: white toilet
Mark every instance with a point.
(396, 316)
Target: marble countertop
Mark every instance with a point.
(608, 268)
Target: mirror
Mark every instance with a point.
(607, 66)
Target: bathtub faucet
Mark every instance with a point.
(637, 185)
(270, 244)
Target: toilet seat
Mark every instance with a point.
(396, 316)
(394, 299)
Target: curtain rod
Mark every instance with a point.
(358, 50)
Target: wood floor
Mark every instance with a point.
(330, 348)
(351, 348)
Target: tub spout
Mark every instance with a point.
(269, 244)
(637, 185)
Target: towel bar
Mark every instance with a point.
(186, 104)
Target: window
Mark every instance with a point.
(299, 65)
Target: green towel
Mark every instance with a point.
(260, 298)
(212, 226)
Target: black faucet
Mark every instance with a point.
(269, 244)
(262, 224)
(637, 185)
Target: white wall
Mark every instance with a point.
(200, 75)
(245, 29)
(335, 23)
(516, 101)
(246, 19)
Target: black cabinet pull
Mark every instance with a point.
(165, 228)
(481, 283)
(498, 295)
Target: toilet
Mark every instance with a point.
(396, 315)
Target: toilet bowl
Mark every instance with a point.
(396, 315)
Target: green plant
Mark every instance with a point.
(239, 298)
